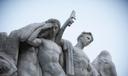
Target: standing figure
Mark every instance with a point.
(82, 65)
(49, 51)
(34, 37)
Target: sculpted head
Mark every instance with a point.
(105, 54)
(50, 32)
(85, 38)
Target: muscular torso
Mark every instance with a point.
(48, 56)
(81, 63)
(49, 51)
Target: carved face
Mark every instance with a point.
(55, 29)
(85, 38)
(49, 33)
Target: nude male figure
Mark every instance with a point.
(49, 51)
(82, 65)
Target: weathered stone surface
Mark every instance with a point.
(28, 64)
(48, 57)
(39, 50)
(104, 65)
(8, 54)
(82, 65)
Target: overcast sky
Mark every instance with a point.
(107, 20)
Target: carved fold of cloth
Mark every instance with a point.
(30, 33)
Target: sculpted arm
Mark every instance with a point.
(68, 22)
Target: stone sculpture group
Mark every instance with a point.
(39, 50)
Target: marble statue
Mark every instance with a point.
(31, 37)
(51, 48)
(81, 61)
(48, 55)
(39, 50)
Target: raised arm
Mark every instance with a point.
(68, 22)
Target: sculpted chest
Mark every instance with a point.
(49, 45)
